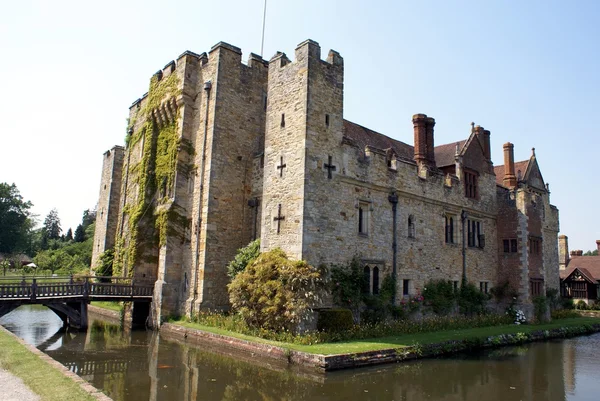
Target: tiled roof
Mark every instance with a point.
(365, 137)
(587, 265)
(444, 154)
(499, 170)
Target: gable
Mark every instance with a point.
(473, 156)
(580, 275)
(533, 176)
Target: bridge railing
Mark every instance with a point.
(86, 287)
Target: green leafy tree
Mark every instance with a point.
(69, 235)
(15, 220)
(52, 227)
(79, 234)
(276, 293)
(88, 218)
(53, 260)
(591, 253)
(4, 265)
(243, 257)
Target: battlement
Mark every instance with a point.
(309, 50)
(202, 60)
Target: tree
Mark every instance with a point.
(15, 221)
(69, 235)
(79, 234)
(591, 253)
(52, 227)
(89, 217)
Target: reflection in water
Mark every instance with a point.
(144, 366)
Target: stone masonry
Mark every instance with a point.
(262, 150)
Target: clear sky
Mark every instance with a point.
(529, 71)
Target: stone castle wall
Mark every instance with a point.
(261, 153)
(107, 213)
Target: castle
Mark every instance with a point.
(219, 153)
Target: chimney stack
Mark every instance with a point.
(598, 246)
(424, 148)
(510, 180)
(563, 252)
(484, 139)
(577, 252)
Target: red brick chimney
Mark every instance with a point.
(598, 246)
(430, 146)
(424, 148)
(510, 180)
(577, 252)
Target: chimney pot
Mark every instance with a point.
(598, 246)
(420, 131)
(510, 180)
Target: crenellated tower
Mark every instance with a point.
(302, 147)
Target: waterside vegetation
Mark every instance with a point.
(42, 378)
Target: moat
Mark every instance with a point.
(140, 365)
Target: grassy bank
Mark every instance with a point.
(43, 379)
(114, 306)
(404, 340)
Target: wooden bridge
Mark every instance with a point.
(69, 296)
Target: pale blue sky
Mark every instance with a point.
(527, 71)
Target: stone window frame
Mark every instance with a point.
(411, 227)
(406, 288)
(475, 233)
(535, 245)
(484, 287)
(372, 272)
(450, 228)
(471, 179)
(536, 287)
(510, 245)
(364, 209)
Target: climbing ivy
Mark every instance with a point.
(154, 175)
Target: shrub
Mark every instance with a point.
(471, 301)
(581, 305)
(540, 305)
(347, 286)
(276, 293)
(440, 296)
(243, 257)
(564, 313)
(567, 303)
(335, 320)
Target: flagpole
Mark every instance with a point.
(262, 43)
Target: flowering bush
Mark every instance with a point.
(517, 315)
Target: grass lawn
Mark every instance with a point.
(115, 306)
(46, 381)
(405, 340)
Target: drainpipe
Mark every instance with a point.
(393, 198)
(253, 203)
(207, 88)
(463, 217)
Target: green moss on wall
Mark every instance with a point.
(153, 178)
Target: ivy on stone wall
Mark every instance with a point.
(154, 176)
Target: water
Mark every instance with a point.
(144, 366)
